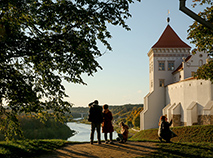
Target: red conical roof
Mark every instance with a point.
(169, 39)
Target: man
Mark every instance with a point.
(96, 118)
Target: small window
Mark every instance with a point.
(161, 65)
(171, 65)
(161, 82)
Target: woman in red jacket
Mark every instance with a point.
(107, 124)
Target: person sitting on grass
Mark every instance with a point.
(164, 132)
(124, 133)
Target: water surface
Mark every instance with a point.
(83, 132)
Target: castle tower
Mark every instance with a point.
(164, 57)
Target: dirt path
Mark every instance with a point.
(116, 150)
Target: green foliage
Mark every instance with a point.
(185, 134)
(136, 120)
(34, 129)
(200, 35)
(202, 2)
(28, 148)
(42, 43)
(205, 71)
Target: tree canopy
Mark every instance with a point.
(43, 42)
(202, 37)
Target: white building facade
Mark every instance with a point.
(172, 89)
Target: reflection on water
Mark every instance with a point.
(83, 132)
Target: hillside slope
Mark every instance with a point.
(195, 133)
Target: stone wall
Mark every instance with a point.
(205, 119)
(176, 120)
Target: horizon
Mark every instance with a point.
(125, 75)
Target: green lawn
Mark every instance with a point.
(183, 150)
(27, 148)
(192, 142)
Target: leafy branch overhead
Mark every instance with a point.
(43, 42)
(202, 37)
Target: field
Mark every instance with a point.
(194, 141)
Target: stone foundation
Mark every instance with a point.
(176, 120)
(205, 119)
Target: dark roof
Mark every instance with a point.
(169, 39)
(181, 66)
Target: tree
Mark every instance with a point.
(202, 37)
(43, 42)
(136, 120)
(205, 71)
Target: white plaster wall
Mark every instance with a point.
(151, 74)
(186, 92)
(166, 75)
(191, 114)
(194, 63)
(182, 75)
(154, 103)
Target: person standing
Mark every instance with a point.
(96, 118)
(164, 132)
(107, 124)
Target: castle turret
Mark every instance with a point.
(164, 57)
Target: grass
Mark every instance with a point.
(27, 148)
(182, 150)
(192, 141)
(196, 133)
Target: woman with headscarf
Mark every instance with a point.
(164, 132)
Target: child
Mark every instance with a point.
(124, 133)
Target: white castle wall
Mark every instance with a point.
(187, 93)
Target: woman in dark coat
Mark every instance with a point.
(107, 124)
(164, 132)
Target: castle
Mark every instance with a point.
(172, 89)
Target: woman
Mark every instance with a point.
(164, 132)
(107, 124)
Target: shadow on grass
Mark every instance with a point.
(28, 148)
(182, 150)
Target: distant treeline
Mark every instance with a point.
(75, 111)
(128, 113)
(34, 129)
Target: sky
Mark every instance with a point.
(125, 75)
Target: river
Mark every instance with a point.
(83, 132)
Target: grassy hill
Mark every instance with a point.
(192, 141)
(195, 133)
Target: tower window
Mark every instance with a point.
(171, 65)
(161, 65)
